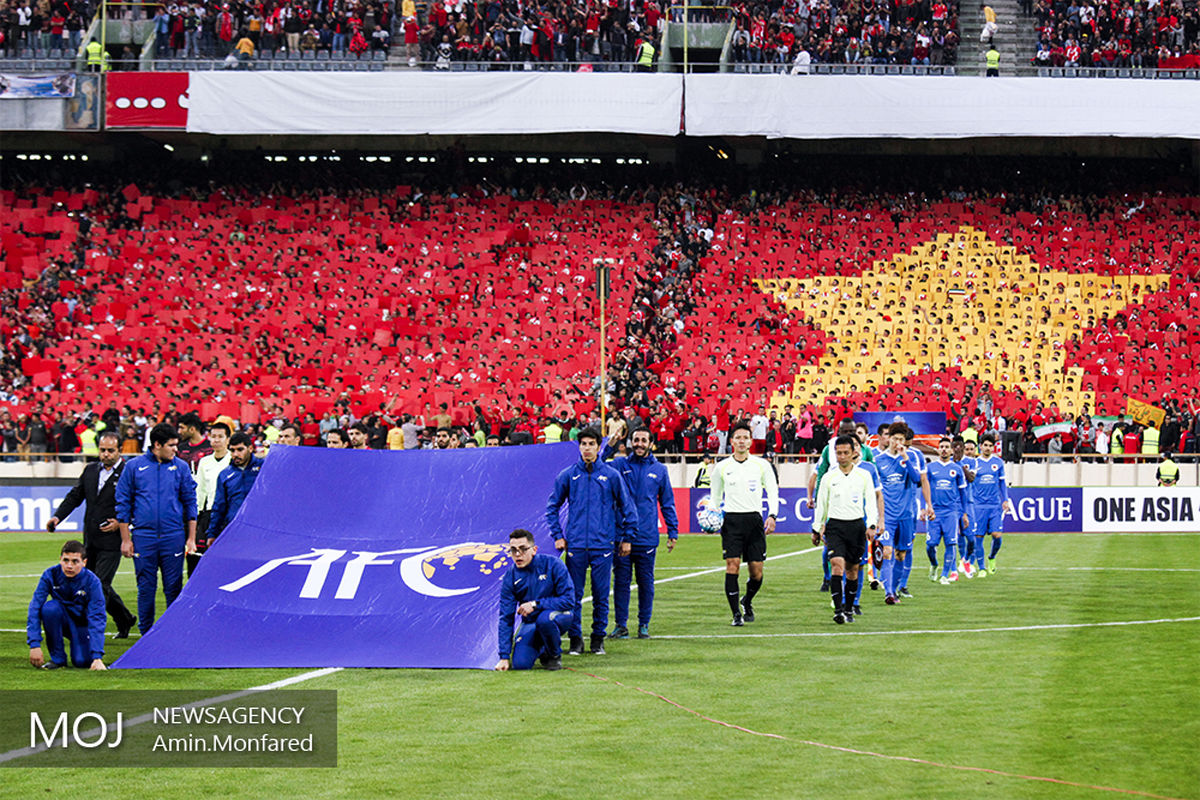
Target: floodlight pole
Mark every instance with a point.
(603, 266)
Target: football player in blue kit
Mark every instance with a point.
(948, 491)
(964, 453)
(991, 501)
(900, 477)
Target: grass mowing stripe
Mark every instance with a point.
(853, 751)
(1059, 626)
(224, 698)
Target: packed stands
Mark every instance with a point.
(1084, 33)
(906, 33)
(275, 292)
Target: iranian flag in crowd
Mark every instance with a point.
(1044, 432)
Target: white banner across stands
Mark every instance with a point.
(774, 106)
(430, 103)
(835, 106)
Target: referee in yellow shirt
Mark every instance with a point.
(847, 514)
(740, 482)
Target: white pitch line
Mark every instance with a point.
(138, 720)
(1107, 569)
(1060, 626)
(30, 575)
(132, 634)
(719, 569)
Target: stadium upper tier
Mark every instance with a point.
(1087, 38)
(411, 299)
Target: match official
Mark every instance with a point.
(156, 509)
(601, 518)
(847, 514)
(69, 603)
(738, 484)
(539, 589)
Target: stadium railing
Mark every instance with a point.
(50, 61)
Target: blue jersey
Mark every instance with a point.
(898, 481)
(914, 501)
(991, 485)
(969, 463)
(947, 486)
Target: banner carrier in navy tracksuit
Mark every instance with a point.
(545, 584)
(156, 507)
(595, 494)
(650, 486)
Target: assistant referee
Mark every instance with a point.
(847, 514)
(740, 482)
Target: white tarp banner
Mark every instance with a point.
(836, 106)
(430, 103)
(1168, 509)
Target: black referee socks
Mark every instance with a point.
(731, 592)
(851, 591)
(752, 587)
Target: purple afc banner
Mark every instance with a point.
(1056, 509)
(343, 558)
(923, 423)
(29, 508)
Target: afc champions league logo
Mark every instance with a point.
(447, 571)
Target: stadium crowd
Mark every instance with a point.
(1091, 33)
(869, 32)
(68, 337)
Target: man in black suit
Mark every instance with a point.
(101, 534)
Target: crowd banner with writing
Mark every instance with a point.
(1144, 413)
(342, 558)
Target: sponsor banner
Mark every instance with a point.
(24, 87)
(926, 423)
(361, 559)
(1034, 510)
(28, 508)
(1141, 509)
(147, 100)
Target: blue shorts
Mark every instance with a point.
(944, 527)
(899, 533)
(991, 520)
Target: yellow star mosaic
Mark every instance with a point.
(960, 301)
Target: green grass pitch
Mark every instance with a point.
(1099, 705)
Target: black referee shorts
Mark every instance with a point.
(846, 538)
(743, 536)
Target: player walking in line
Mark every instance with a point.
(949, 494)
(740, 482)
(991, 501)
(965, 454)
(917, 512)
(900, 477)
